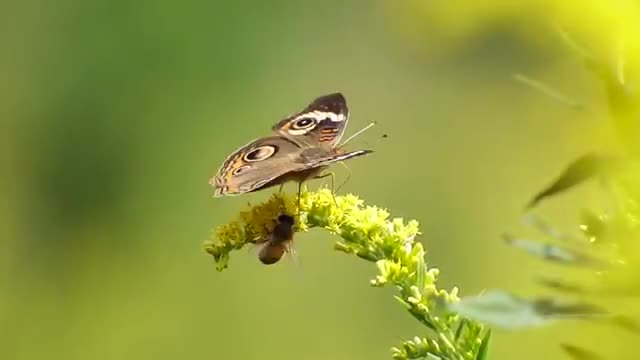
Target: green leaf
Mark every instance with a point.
(483, 352)
(461, 326)
(536, 222)
(594, 227)
(499, 309)
(578, 353)
(578, 49)
(561, 285)
(554, 253)
(622, 99)
(625, 323)
(567, 309)
(548, 91)
(580, 170)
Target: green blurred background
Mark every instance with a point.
(115, 114)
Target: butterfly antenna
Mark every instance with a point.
(349, 173)
(375, 143)
(358, 133)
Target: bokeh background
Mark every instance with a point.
(115, 113)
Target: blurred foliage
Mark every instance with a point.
(115, 114)
(611, 236)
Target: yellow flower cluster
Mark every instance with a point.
(251, 226)
(369, 233)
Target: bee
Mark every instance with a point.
(279, 241)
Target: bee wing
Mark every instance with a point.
(293, 259)
(258, 243)
(292, 253)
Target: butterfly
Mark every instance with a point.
(302, 147)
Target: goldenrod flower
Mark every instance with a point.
(369, 233)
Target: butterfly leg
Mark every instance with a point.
(348, 176)
(299, 192)
(281, 196)
(333, 185)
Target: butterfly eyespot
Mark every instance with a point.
(261, 153)
(304, 123)
(239, 170)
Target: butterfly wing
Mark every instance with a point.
(255, 165)
(320, 124)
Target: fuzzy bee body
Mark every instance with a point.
(279, 241)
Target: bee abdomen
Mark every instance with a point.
(272, 253)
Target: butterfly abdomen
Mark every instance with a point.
(297, 176)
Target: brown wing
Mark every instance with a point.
(256, 164)
(320, 124)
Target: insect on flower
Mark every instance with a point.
(279, 241)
